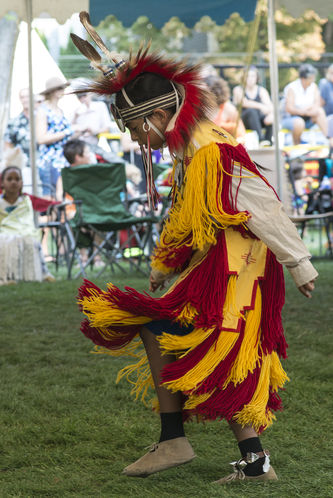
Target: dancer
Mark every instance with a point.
(214, 339)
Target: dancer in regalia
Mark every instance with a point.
(214, 340)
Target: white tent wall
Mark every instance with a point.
(27, 10)
(9, 32)
(43, 67)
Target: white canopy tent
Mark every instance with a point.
(43, 67)
(27, 10)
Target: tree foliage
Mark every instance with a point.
(298, 40)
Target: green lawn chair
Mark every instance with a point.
(102, 212)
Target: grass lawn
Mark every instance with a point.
(67, 430)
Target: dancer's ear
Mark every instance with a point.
(161, 116)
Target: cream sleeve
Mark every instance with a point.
(270, 223)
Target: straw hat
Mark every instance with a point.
(53, 84)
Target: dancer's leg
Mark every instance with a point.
(249, 442)
(173, 448)
(254, 464)
(251, 120)
(169, 402)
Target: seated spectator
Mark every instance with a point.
(225, 114)
(257, 107)
(302, 104)
(21, 252)
(326, 96)
(79, 152)
(76, 152)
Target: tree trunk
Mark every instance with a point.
(9, 32)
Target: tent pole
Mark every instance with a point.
(31, 103)
(273, 70)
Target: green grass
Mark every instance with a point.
(67, 430)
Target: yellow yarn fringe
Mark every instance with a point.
(248, 355)
(171, 343)
(218, 351)
(102, 313)
(277, 375)
(130, 349)
(194, 400)
(143, 379)
(193, 378)
(138, 374)
(255, 412)
(157, 262)
(187, 315)
(199, 213)
(229, 306)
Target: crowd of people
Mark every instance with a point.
(303, 105)
(64, 141)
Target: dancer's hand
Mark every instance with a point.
(156, 281)
(307, 289)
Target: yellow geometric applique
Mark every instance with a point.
(247, 262)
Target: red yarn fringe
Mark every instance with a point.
(273, 298)
(174, 257)
(225, 403)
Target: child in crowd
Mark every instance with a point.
(20, 248)
(214, 339)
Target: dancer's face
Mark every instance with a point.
(138, 129)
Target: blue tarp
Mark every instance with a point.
(160, 11)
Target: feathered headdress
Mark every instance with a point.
(117, 73)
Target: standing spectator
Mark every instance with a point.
(225, 114)
(326, 97)
(302, 104)
(257, 107)
(52, 132)
(17, 133)
(92, 115)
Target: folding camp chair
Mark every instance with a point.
(102, 213)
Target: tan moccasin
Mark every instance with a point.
(238, 475)
(162, 456)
